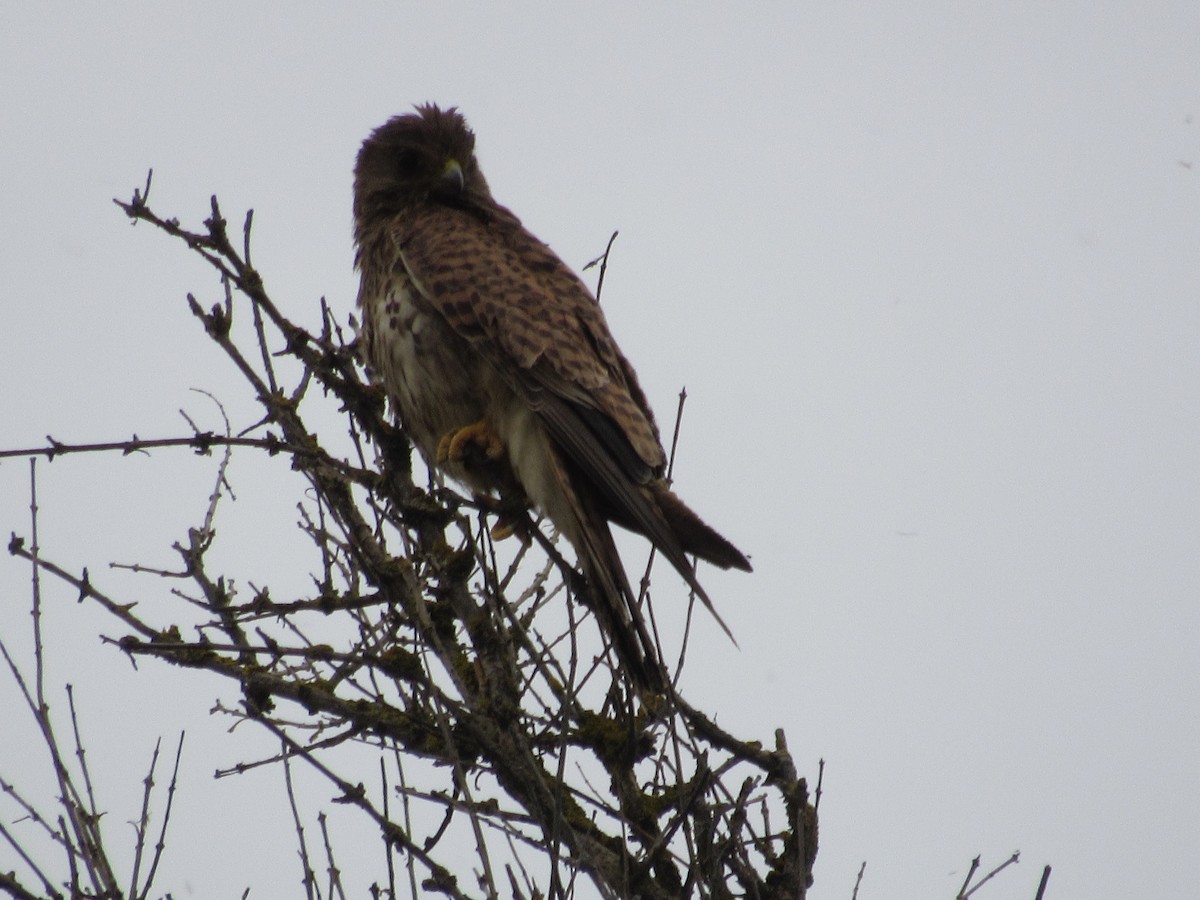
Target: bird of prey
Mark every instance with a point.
(501, 367)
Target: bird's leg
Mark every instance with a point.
(478, 446)
(456, 445)
(512, 516)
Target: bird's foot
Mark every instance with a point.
(456, 446)
(506, 526)
(512, 517)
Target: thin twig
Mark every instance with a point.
(201, 442)
(161, 843)
(143, 823)
(1041, 891)
(858, 880)
(1015, 858)
(310, 876)
(966, 881)
(602, 259)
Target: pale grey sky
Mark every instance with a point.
(930, 276)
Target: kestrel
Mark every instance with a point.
(501, 367)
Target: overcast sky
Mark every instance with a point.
(931, 279)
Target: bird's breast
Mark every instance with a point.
(438, 376)
(436, 380)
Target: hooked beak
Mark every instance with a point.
(452, 177)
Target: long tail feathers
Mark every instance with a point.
(603, 491)
(616, 607)
(695, 536)
(613, 600)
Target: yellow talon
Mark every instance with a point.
(454, 445)
(503, 529)
(509, 524)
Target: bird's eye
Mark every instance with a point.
(408, 162)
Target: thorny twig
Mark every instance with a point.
(76, 828)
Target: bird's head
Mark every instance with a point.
(424, 156)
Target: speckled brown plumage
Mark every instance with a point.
(469, 320)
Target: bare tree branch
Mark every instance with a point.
(497, 713)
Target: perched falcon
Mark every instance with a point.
(501, 367)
